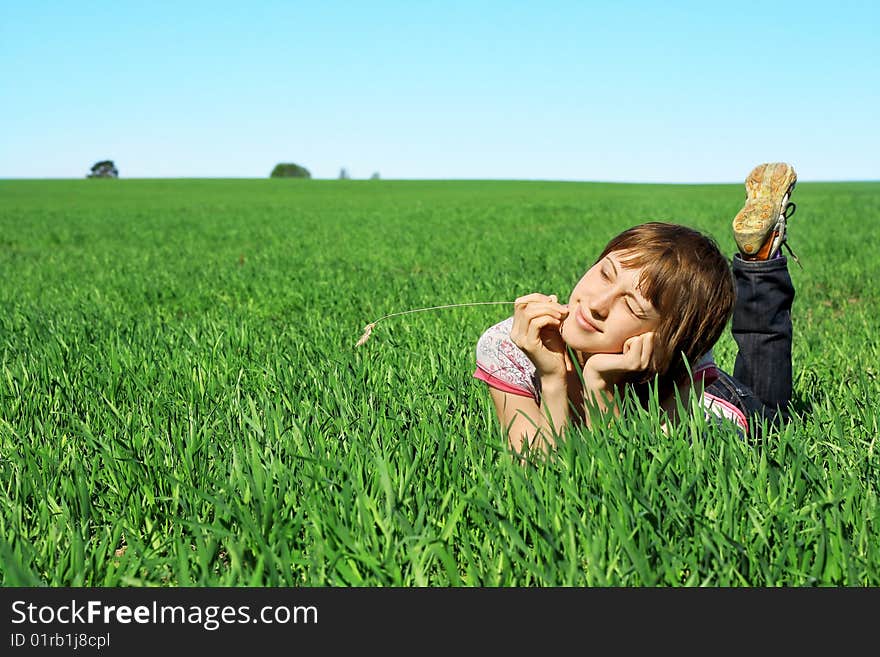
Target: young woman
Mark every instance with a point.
(646, 315)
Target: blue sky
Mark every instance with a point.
(610, 91)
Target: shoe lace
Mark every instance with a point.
(790, 210)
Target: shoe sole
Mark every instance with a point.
(767, 187)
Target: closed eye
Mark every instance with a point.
(637, 313)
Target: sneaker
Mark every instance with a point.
(759, 228)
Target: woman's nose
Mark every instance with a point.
(599, 304)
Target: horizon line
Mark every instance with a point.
(369, 180)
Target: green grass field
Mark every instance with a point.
(181, 402)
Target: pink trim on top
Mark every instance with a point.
(706, 374)
(728, 409)
(495, 382)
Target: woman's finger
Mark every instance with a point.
(528, 338)
(529, 298)
(648, 350)
(536, 298)
(533, 310)
(538, 323)
(638, 350)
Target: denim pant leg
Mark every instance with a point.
(762, 329)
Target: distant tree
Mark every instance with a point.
(343, 174)
(289, 170)
(103, 169)
(375, 176)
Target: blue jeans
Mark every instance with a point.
(761, 326)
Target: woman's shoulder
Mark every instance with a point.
(502, 364)
(499, 330)
(496, 349)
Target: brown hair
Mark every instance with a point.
(690, 284)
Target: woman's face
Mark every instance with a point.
(606, 308)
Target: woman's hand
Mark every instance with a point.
(602, 372)
(537, 319)
(635, 357)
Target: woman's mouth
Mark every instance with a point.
(585, 323)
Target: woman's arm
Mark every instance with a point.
(535, 330)
(525, 423)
